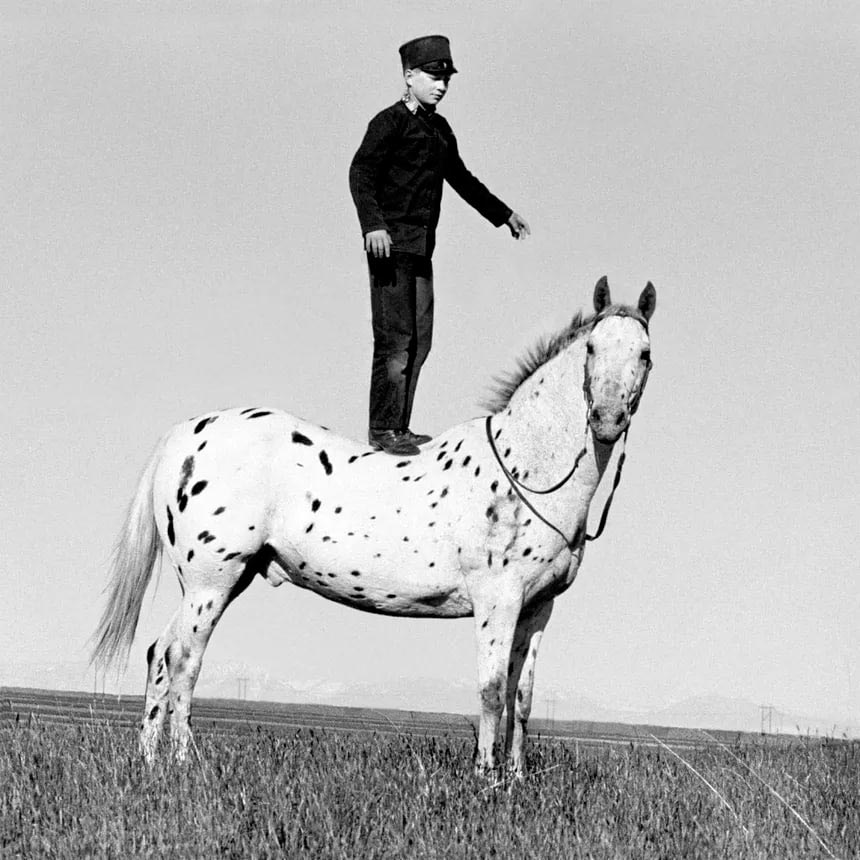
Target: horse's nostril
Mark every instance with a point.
(620, 419)
(595, 414)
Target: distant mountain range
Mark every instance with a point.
(236, 680)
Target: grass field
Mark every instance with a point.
(79, 790)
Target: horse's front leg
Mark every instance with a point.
(521, 676)
(496, 617)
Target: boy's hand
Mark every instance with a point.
(378, 243)
(518, 226)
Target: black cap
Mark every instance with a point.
(430, 54)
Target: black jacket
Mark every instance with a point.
(396, 178)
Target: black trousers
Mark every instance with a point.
(401, 303)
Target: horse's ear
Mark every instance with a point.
(602, 298)
(648, 301)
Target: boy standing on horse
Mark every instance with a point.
(396, 182)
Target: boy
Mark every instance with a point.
(396, 183)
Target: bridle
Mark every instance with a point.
(517, 486)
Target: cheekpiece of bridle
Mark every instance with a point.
(517, 486)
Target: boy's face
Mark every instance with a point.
(427, 88)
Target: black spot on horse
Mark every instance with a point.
(391, 596)
(440, 456)
(220, 510)
(448, 464)
(208, 606)
(171, 534)
(198, 488)
(201, 424)
(489, 559)
(507, 453)
(432, 599)
(259, 414)
(527, 552)
(231, 555)
(338, 509)
(202, 445)
(190, 555)
(477, 471)
(308, 529)
(467, 459)
(153, 713)
(315, 505)
(402, 463)
(353, 458)
(301, 439)
(355, 573)
(246, 411)
(494, 486)
(250, 528)
(443, 493)
(458, 446)
(203, 535)
(358, 588)
(326, 463)
(484, 625)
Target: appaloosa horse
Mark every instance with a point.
(489, 520)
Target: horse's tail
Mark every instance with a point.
(137, 551)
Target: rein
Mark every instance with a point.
(517, 484)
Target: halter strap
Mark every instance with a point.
(570, 543)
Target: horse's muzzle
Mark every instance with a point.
(608, 423)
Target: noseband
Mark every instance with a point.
(517, 486)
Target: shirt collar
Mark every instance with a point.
(414, 106)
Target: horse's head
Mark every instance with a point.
(618, 358)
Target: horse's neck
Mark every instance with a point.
(544, 425)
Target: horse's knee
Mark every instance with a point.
(492, 696)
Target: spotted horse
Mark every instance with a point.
(489, 520)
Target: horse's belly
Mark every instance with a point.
(387, 590)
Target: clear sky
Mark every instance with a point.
(177, 235)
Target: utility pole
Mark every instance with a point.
(550, 711)
(243, 688)
(766, 718)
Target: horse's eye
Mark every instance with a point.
(646, 355)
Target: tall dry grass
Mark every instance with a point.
(81, 791)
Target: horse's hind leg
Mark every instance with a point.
(521, 676)
(157, 686)
(201, 610)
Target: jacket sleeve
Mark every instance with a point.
(471, 189)
(367, 167)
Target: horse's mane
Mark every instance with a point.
(547, 348)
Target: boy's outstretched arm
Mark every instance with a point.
(477, 195)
